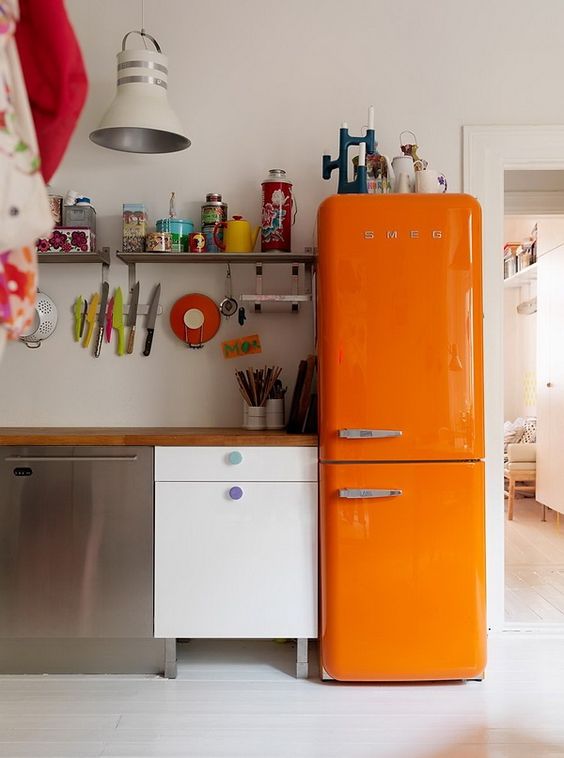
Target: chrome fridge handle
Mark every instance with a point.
(355, 434)
(69, 459)
(368, 494)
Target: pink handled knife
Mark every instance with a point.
(109, 319)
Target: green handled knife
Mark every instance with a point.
(117, 321)
(78, 309)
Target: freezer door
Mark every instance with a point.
(400, 328)
(402, 571)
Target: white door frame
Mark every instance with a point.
(487, 152)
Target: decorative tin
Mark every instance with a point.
(277, 204)
(197, 243)
(213, 210)
(208, 232)
(56, 206)
(179, 229)
(134, 227)
(158, 242)
(67, 240)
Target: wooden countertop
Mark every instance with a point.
(152, 436)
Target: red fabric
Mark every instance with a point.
(54, 75)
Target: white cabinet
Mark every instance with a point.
(236, 556)
(550, 380)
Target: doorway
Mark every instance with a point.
(534, 543)
(489, 151)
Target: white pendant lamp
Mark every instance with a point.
(140, 119)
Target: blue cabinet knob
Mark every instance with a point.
(235, 493)
(235, 457)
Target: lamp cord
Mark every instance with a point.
(143, 23)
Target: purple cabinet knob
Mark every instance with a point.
(235, 493)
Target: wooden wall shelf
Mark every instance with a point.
(100, 256)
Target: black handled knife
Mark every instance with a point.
(132, 317)
(151, 319)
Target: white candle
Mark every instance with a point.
(362, 154)
(371, 117)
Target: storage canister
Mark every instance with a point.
(277, 207)
(158, 242)
(179, 229)
(214, 210)
(80, 216)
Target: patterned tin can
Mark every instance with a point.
(158, 242)
(277, 204)
(208, 231)
(179, 229)
(214, 210)
(56, 206)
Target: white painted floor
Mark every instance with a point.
(239, 700)
(534, 565)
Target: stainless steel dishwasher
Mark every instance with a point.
(76, 542)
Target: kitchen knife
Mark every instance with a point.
(91, 318)
(83, 319)
(132, 317)
(151, 319)
(109, 319)
(78, 308)
(118, 320)
(101, 318)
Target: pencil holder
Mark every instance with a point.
(254, 417)
(275, 413)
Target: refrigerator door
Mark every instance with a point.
(402, 571)
(400, 328)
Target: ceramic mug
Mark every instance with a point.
(428, 181)
(403, 165)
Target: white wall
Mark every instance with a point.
(519, 355)
(260, 84)
(520, 331)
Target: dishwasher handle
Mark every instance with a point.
(70, 459)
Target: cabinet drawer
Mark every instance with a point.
(246, 464)
(236, 568)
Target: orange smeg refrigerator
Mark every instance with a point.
(401, 438)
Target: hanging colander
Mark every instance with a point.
(44, 323)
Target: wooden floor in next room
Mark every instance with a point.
(534, 565)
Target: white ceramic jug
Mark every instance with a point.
(403, 164)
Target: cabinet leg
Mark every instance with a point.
(170, 668)
(302, 668)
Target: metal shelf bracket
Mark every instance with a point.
(294, 298)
